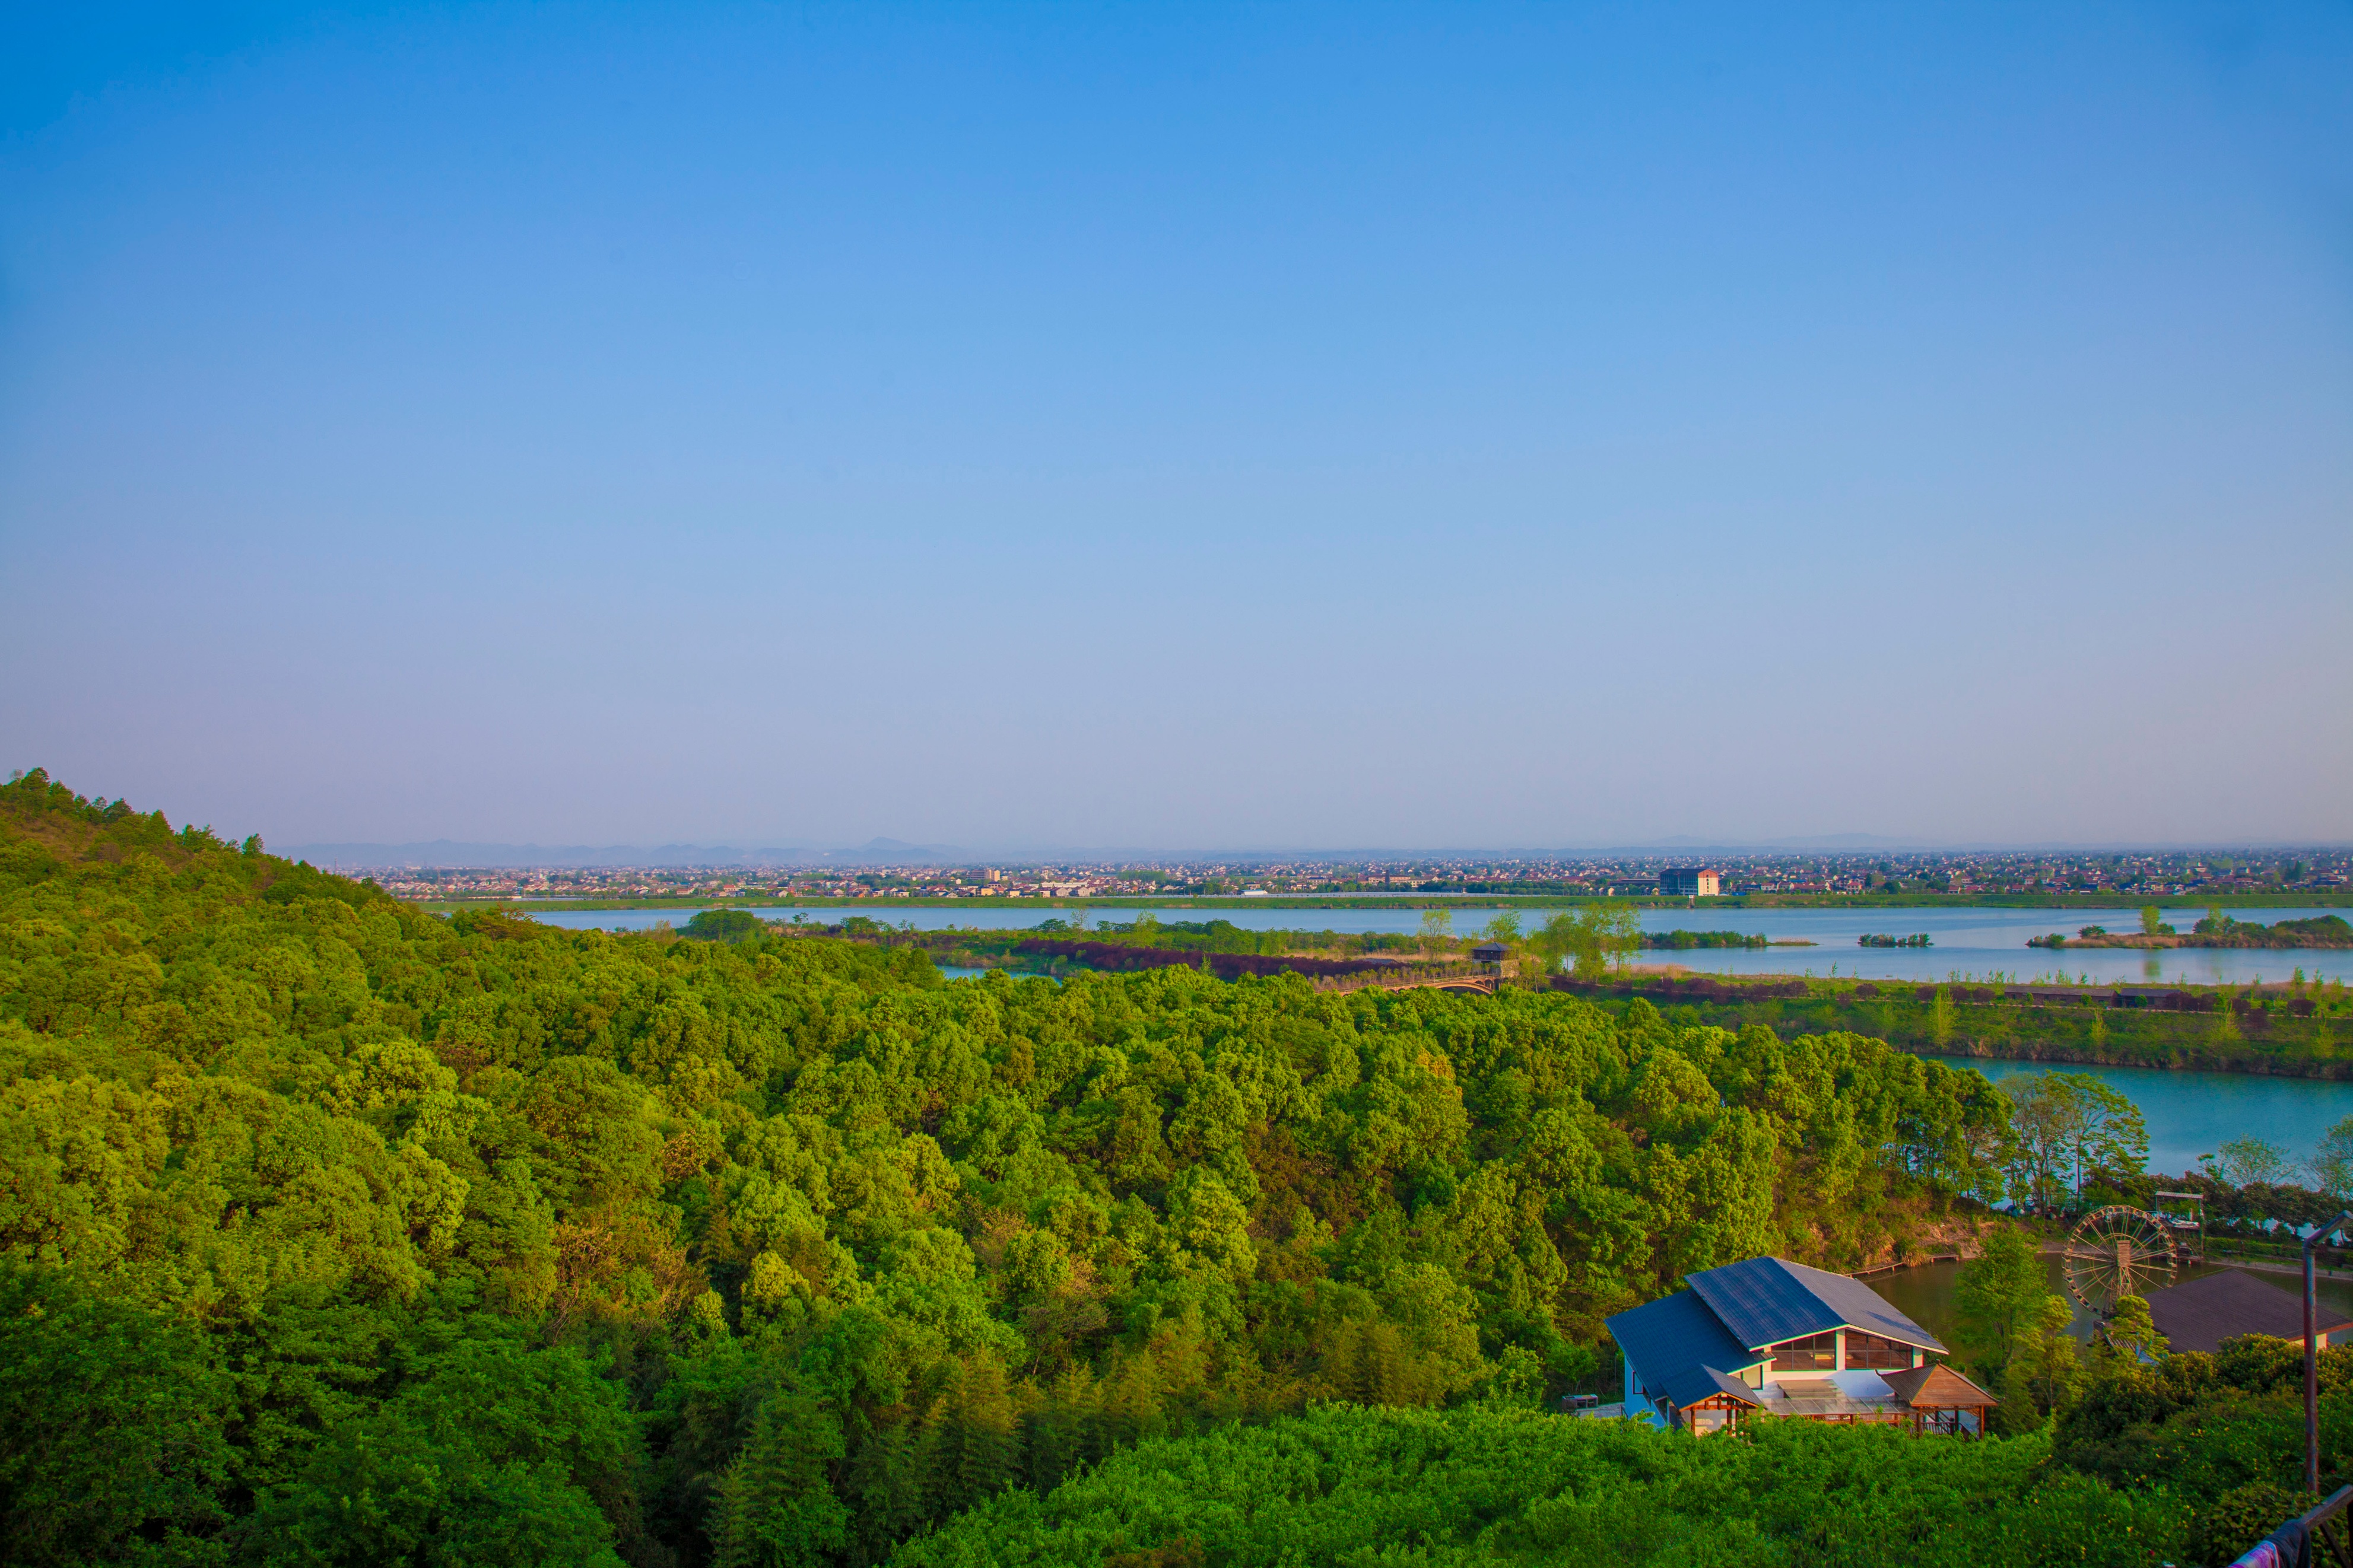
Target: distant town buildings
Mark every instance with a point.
(2128, 878)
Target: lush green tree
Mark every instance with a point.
(2069, 1127)
(2045, 1371)
(1437, 932)
(2254, 1161)
(110, 1427)
(2332, 1161)
(493, 1454)
(1591, 938)
(777, 1507)
(1492, 1483)
(1998, 1298)
(2130, 1330)
(723, 925)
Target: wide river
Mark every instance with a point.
(1973, 943)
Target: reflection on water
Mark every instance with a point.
(1925, 1294)
(1965, 941)
(2192, 1113)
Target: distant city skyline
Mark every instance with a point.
(2125, 878)
(450, 855)
(1302, 426)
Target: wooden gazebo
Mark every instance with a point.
(1938, 1397)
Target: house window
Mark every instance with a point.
(1815, 1352)
(1873, 1353)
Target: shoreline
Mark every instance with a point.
(1862, 902)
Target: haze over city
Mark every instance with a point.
(1304, 428)
(915, 786)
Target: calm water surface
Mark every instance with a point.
(1966, 943)
(2191, 1113)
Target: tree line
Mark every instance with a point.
(2116, 1454)
(337, 1232)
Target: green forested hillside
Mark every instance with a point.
(335, 1232)
(2188, 1461)
(1490, 1486)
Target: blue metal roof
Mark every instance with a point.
(1674, 1336)
(1763, 1300)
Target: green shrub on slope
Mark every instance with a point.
(1486, 1484)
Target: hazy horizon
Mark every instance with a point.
(457, 855)
(581, 424)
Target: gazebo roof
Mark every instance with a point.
(1935, 1388)
(1693, 1384)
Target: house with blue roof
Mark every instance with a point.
(1772, 1336)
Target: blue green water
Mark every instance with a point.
(1972, 944)
(2191, 1113)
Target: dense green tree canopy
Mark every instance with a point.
(406, 1239)
(1489, 1485)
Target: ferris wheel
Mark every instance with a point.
(2116, 1252)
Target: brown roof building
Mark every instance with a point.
(2203, 1312)
(1938, 1397)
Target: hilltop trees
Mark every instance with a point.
(391, 1235)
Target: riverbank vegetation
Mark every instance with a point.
(2292, 1028)
(1685, 941)
(2217, 930)
(2310, 898)
(338, 1232)
(1586, 942)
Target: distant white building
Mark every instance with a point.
(1690, 882)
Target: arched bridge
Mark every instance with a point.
(1484, 978)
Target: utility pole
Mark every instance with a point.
(2312, 1358)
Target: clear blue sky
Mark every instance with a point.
(1196, 426)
